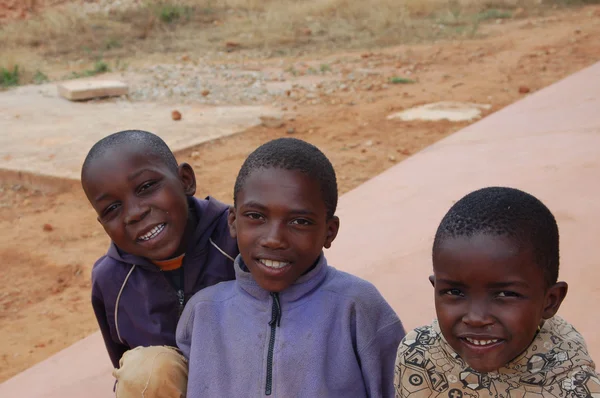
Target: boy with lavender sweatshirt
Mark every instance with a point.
(290, 325)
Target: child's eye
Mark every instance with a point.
(145, 186)
(300, 221)
(110, 209)
(254, 216)
(508, 294)
(453, 292)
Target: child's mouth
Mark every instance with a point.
(273, 264)
(153, 233)
(481, 344)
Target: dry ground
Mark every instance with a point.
(50, 241)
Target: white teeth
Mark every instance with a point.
(272, 263)
(153, 232)
(481, 342)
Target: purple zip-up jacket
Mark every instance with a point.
(330, 334)
(135, 303)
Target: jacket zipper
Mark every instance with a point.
(181, 297)
(274, 323)
(179, 291)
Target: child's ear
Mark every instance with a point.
(554, 298)
(231, 222)
(333, 226)
(188, 178)
(432, 280)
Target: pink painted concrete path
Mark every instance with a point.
(547, 144)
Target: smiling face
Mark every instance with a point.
(280, 222)
(140, 201)
(490, 298)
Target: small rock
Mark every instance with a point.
(519, 12)
(26, 202)
(176, 115)
(48, 227)
(369, 143)
(291, 130)
(205, 92)
(195, 155)
(392, 158)
(524, 89)
(271, 122)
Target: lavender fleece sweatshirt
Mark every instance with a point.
(330, 334)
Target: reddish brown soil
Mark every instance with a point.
(50, 241)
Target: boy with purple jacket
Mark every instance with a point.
(166, 246)
(290, 325)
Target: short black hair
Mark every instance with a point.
(501, 211)
(153, 143)
(293, 154)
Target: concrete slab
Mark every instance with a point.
(541, 144)
(78, 90)
(448, 110)
(82, 370)
(43, 135)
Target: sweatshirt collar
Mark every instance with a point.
(300, 288)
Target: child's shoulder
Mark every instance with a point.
(222, 291)
(422, 337)
(107, 267)
(362, 294)
(209, 207)
(348, 285)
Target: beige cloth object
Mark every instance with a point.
(555, 365)
(152, 372)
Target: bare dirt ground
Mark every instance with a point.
(50, 241)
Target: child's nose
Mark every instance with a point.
(274, 237)
(477, 315)
(135, 212)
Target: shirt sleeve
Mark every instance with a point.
(115, 349)
(377, 360)
(185, 325)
